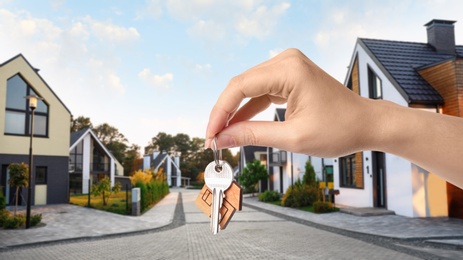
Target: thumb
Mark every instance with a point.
(257, 133)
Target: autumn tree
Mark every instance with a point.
(19, 174)
(103, 188)
(132, 160)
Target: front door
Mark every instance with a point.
(379, 180)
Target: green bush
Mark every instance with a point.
(2, 199)
(269, 196)
(323, 207)
(4, 215)
(300, 195)
(14, 222)
(36, 219)
(151, 192)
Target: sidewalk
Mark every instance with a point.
(433, 230)
(68, 222)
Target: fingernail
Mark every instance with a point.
(207, 143)
(225, 141)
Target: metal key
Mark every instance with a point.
(218, 176)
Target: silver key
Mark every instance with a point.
(218, 176)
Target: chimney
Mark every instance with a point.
(155, 153)
(441, 35)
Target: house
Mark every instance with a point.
(18, 78)
(89, 162)
(426, 76)
(170, 166)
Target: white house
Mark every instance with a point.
(408, 74)
(169, 164)
(90, 160)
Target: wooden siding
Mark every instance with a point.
(447, 79)
(355, 77)
(358, 175)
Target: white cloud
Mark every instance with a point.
(152, 9)
(222, 20)
(112, 33)
(209, 30)
(161, 82)
(260, 22)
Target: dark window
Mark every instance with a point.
(75, 158)
(40, 175)
(374, 84)
(17, 112)
(351, 173)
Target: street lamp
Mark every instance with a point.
(32, 105)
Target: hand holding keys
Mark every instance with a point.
(218, 177)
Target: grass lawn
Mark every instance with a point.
(116, 203)
(305, 208)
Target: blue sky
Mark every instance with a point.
(159, 65)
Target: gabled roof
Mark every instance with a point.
(160, 159)
(76, 137)
(20, 56)
(400, 62)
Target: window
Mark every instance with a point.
(374, 84)
(18, 115)
(75, 158)
(351, 171)
(40, 175)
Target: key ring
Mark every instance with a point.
(217, 153)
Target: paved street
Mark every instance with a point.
(253, 234)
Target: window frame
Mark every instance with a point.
(27, 112)
(352, 164)
(373, 80)
(45, 179)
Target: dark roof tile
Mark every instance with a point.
(402, 60)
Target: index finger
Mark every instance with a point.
(266, 78)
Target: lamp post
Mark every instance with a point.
(32, 105)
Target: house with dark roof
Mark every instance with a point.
(170, 165)
(89, 162)
(18, 78)
(426, 76)
(285, 167)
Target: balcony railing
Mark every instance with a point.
(99, 167)
(75, 167)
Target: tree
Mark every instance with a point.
(252, 174)
(161, 142)
(132, 160)
(103, 189)
(112, 139)
(19, 174)
(80, 123)
(309, 177)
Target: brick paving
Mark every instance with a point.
(256, 232)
